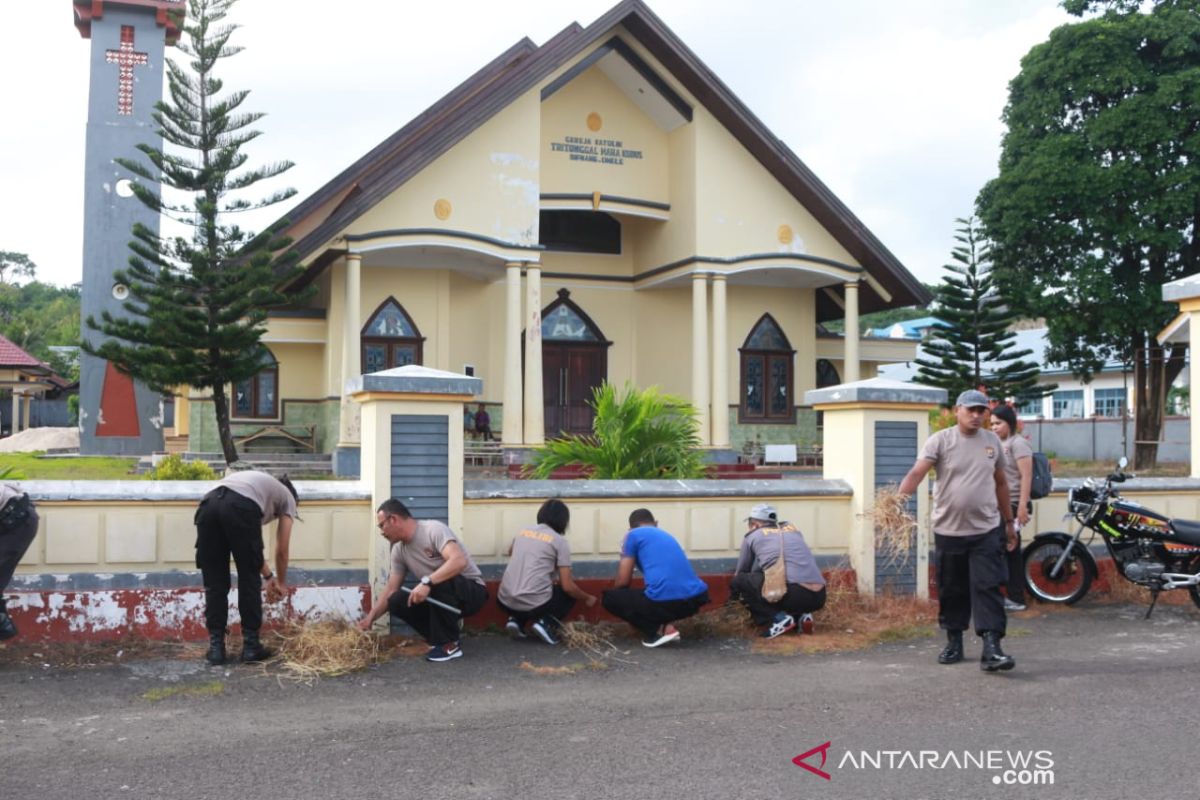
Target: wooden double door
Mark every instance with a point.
(570, 371)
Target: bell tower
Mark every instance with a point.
(117, 415)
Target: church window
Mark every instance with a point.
(390, 339)
(258, 397)
(766, 375)
(579, 232)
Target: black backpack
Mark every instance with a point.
(1043, 480)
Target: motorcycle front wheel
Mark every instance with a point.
(1069, 586)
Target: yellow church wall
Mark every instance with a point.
(591, 112)
(795, 313)
(476, 335)
(298, 364)
(742, 209)
(662, 328)
(656, 243)
(421, 293)
(488, 182)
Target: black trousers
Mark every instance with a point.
(436, 625)
(645, 614)
(970, 570)
(556, 608)
(1015, 581)
(747, 587)
(14, 542)
(228, 524)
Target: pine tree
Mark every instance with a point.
(199, 305)
(975, 346)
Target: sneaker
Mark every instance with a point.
(667, 633)
(1013, 605)
(806, 624)
(514, 629)
(444, 652)
(779, 626)
(542, 628)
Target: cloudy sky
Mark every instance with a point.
(895, 105)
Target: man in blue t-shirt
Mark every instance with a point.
(673, 591)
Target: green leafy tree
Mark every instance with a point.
(975, 346)
(15, 265)
(640, 434)
(1097, 202)
(200, 305)
(36, 315)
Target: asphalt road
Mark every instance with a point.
(1101, 702)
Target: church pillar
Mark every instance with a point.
(850, 370)
(720, 362)
(700, 354)
(512, 425)
(535, 425)
(16, 413)
(346, 457)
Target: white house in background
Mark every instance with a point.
(1109, 394)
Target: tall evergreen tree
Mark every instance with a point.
(975, 346)
(200, 304)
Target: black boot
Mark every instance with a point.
(253, 649)
(216, 648)
(952, 653)
(993, 657)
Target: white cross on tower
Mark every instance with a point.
(125, 59)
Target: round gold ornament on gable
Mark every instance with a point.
(442, 208)
(785, 234)
(594, 122)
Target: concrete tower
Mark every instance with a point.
(118, 416)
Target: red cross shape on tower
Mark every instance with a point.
(126, 59)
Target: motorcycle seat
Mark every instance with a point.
(1186, 531)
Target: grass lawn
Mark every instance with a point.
(32, 466)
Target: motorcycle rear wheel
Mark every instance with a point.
(1068, 587)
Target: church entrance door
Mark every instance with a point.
(569, 373)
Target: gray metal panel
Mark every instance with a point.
(420, 473)
(895, 452)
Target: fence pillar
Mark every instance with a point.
(873, 430)
(412, 446)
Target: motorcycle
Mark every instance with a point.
(1147, 548)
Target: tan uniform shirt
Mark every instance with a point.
(528, 581)
(423, 554)
(1015, 448)
(268, 494)
(964, 494)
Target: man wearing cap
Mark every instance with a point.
(229, 521)
(972, 518)
(765, 543)
(447, 575)
(673, 590)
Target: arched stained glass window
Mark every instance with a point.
(767, 375)
(563, 321)
(390, 339)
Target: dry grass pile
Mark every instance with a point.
(594, 641)
(729, 621)
(895, 529)
(309, 651)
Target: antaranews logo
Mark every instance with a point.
(1007, 767)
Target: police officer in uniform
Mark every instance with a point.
(18, 526)
(972, 520)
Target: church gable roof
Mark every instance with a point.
(519, 69)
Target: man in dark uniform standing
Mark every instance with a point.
(229, 521)
(972, 518)
(18, 526)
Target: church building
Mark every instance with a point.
(601, 207)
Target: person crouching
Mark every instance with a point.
(766, 541)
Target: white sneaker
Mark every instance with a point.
(1012, 605)
(668, 634)
(514, 629)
